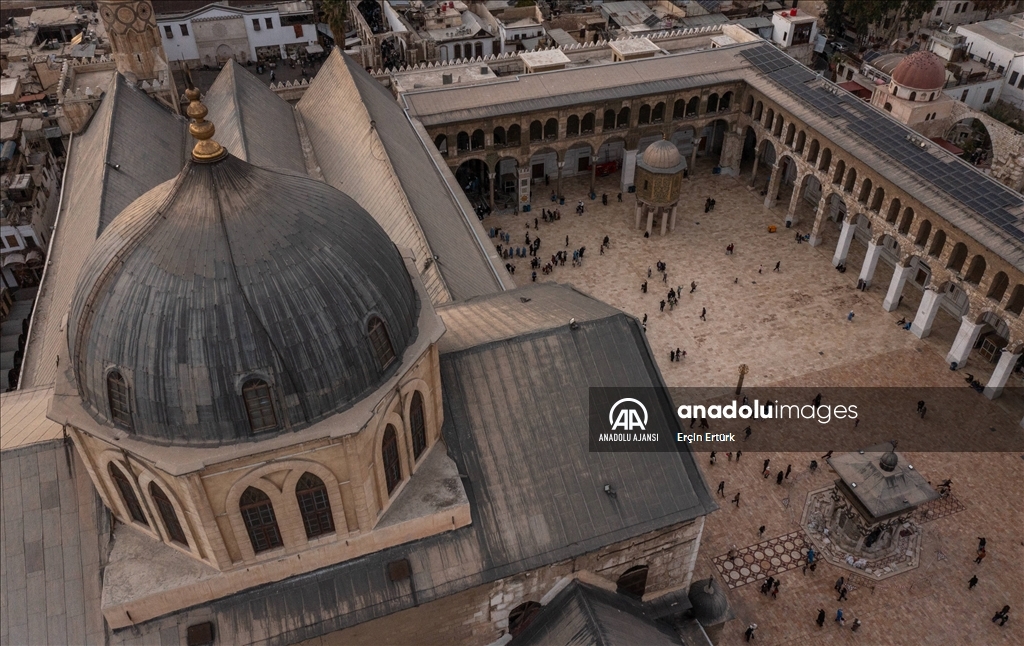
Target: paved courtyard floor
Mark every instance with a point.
(790, 328)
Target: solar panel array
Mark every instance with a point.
(961, 182)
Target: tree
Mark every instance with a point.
(988, 6)
(834, 17)
(335, 13)
(867, 13)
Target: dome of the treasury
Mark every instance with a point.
(233, 291)
(920, 71)
(661, 154)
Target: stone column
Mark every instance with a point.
(843, 247)
(819, 219)
(753, 173)
(628, 170)
(794, 201)
(490, 196)
(995, 384)
(966, 337)
(639, 212)
(899, 279)
(593, 172)
(650, 220)
(693, 153)
(664, 219)
(558, 182)
(773, 186)
(672, 224)
(867, 271)
(926, 312)
(524, 188)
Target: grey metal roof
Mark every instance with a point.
(231, 271)
(54, 532)
(252, 122)
(515, 424)
(387, 168)
(127, 130)
(584, 615)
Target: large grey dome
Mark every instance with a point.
(662, 157)
(227, 274)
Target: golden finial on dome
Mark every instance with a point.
(206, 149)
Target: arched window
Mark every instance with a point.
(520, 618)
(479, 47)
(609, 119)
(645, 115)
(380, 342)
(623, 119)
(259, 406)
(120, 400)
(389, 454)
(587, 125)
(658, 114)
(314, 505)
(679, 109)
(633, 581)
(713, 103)
(572, 126)
(725, 102)
(551, 129)
(536, 131)
(515, 135)
(913, 96)
(260, 522)
(418, 425)
(1016, 303)
(888, 107)
(131, 501)
(457, 48)
(167, 514)
(476, 142)
(998, 287)
(499, 136)
(692, 106)
(462, 141)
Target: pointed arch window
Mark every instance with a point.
(167, 514)
(260, 521)
(315, 506)
(389, 455)
(131, 501)
(418, 425)
(259, 406)
(119, 398)
(381, 342)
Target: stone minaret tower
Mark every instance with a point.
(136, 47)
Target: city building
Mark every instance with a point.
(216, 33)
(795, 32)
(999, 45)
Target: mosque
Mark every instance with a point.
(289, 394)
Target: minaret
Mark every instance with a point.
(136, 47)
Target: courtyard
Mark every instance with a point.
(791, 329)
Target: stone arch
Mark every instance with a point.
(587, 123)
(462, 141)
(938, 243)
(748, 104)
(958, 257)
(726, 102)
(851, 180)
(622, 119)
(837, 177)
(644, 116)
(441, 141)
(790, 134)
(633, 582)
(888, 107)
(788, 170)
(1016, 303)
(712, 103)
(758, 110)
(865, 191)
(499, 137)
(536, 131)
(474, 177)
(997, 288)
(551, 129)
(972, 136)
(906, 221)
(923, 231)
(658, 113)
(608, 121)
(392, 418)
(778, 125)
(693, 106)
(769, 119)
(812, 152)
(893, 213)
(976, 270)
(801, 139)
(572, 126)
(146, 478)
(111, 459)
(476, 140)
(514, 135)
(679, 109)
(993, 322)
(876, 203)
(826, 160)
(749, 155)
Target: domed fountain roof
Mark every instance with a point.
(921, 71)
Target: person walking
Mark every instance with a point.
(981, 543)
(777, 267)
(746, 435)
(736, 500)
(713, 457)
(775, 590)
(972, 582)
(1002, 616)
(839, 618)
(924, 409)
(766, 473)
(778, 480)
(567, 244)
(849, 317)
(662, 305)
(856, 625)
(767, 461)
(839, 584)
(920, 405)
(648, 267)
(842, 593)
(721, 488)
(693, 286)
(821, 618)
(703, 313)
(760, 531)
(789, 469)
(981, 555)
(643, 287)
(749, 634)
(738, 454)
